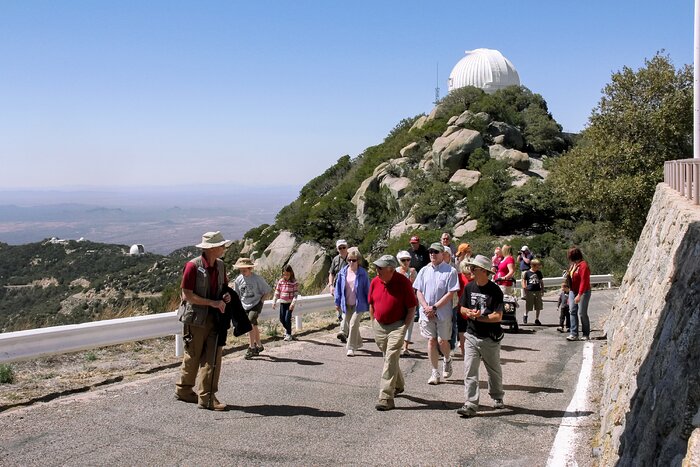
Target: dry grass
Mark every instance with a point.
(48, 378)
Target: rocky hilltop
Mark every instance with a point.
(464, 168)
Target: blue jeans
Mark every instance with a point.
(579, 309)
(286, 317)
(455, 317)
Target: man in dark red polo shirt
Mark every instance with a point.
(392, 305)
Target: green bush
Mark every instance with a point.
(7, 375)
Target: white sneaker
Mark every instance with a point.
(434, 378)
(287, 337)
(447, 368)
(351, 353)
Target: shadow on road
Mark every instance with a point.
(284, 411)
(515, 410)
(428, 404)
(510, 348)
(272, 358)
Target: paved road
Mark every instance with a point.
(305, 402)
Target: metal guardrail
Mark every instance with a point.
(42, 342)
(684, 177)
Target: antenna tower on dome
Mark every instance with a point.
(437, 83)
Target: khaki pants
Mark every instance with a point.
(202, 361)
(350, 326)
(389, 339)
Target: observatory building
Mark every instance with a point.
(486, 69)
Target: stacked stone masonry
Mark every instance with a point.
(651, 394)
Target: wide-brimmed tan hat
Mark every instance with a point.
(212, 240)
(243, 263)
(481, 261)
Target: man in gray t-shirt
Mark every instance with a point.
(252, 289)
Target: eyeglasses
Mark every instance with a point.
(474, 268)
(352, 261)
(342, 247)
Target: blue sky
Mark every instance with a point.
(265, 93)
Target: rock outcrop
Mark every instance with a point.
(310, 264)
(278, 252)
(466, 178)
(450, 151)
(651, 395)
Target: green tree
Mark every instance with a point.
(643, 119)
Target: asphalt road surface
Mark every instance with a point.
(307, 403)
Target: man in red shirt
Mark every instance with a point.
(392, 305)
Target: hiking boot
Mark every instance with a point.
(250, 353)
(190, 397)
(561, 329)
(537, 322)
(434, 378)
(498, 404)
(466, 411)
(259, 349)
(384, 405)
(341, 337)
(212, 404)
(398, 391)
(447, 368)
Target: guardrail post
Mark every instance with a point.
(297, 322)
(179, 345)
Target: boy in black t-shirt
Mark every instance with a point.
(533, 286)
(482, 307)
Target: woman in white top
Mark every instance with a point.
(405, 268)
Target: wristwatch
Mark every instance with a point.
(434, 308)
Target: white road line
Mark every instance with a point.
(564, 447)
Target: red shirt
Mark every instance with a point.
(391, 300)
(463, 281)
(189, 276)
(580, 278)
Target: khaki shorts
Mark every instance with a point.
(533, 300)
(254, 312)
(436, 329)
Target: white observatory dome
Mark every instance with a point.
(487, 69)
(137, 249)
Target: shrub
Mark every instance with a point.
(7, 375)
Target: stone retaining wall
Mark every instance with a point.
(649, 408)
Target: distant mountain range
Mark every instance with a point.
(162, 220)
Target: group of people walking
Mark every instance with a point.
(449, 292)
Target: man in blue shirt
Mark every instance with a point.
(435, 285)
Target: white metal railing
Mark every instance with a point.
(42, 342)
(684, 177)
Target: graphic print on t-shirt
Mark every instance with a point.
(481, 302)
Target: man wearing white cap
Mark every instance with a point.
(203, 280)
(524, 259)
(338, 262)
(482, 307)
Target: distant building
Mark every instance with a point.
(486, 69)
(137, 249)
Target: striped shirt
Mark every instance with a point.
(286, 291)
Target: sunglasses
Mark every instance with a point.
(342, 248)
(352, 261)
(433, 252)
(405, 259)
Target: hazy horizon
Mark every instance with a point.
(162, 220)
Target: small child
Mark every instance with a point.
(252, 289)
(563, 306)
(286, 291)
(533, 286)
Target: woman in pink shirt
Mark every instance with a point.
(506, 271)
(579, 276)
(351, 298)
